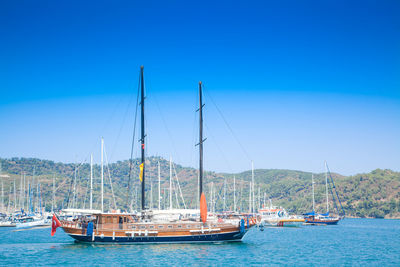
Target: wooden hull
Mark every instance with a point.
(201, 238)
(147, 232)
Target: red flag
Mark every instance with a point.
(203, 208)
(55, 223)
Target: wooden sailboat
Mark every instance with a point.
(147, 226)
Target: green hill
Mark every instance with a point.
(375, 194)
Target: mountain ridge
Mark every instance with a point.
(375, 194)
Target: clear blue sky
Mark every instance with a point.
(299, 82)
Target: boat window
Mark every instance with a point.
(151, 227)
(143, 227)
(169, 226)
(179, 226)
(125, 219)
(161, 226)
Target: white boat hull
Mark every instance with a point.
(37, 223)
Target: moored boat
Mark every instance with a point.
(313, 218)
(150, 226)
(278, 217)
(31, 222)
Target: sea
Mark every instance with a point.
(353, 242)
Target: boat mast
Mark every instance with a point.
(224, 194)
(250, 198)
(151, 194)
(2, 195)
(170, 183)
(21, 193)
(252, 186)
(40, 200)
(91, 181)
(326, 187)
(54, 193)
(102, 175)
(9, 199)
(313, 200)
(234, 193)
(15, 197)
(142, 136)
(200, 140)
(37, 193)
(159, 186)
(212, 197)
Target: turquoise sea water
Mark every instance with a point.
(352, 242)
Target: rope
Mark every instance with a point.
(227, 124)
(167, 129)
(132, 148)
(109, 177)
(179, 187)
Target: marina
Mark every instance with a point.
(200, 133)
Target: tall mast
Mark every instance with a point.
(151, 194)
(37, 194)
(326, 187)
(21, 195)
(40, 201)
(252, 186)
(224, 194)
(29, 198)
(241, 198)
(142, 147)
(234, 193)
(250, 198)
(24, 193)
(91, 181)
(212, 197)
(54, 193)
(33, 188)
(159, 186)
(313, 200)
(200, 140)
(15, 197)
(102, 175)
(170, 183)
(9, 199)
(2, 195)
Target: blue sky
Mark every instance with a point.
(298, 82)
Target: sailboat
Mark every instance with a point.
(145, 226)
(325, 218)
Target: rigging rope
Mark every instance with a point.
(109, 177)
(227, 124)
(132, 148)
(179, 187)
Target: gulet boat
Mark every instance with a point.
(154, 226)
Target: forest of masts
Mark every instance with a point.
(162, 192)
